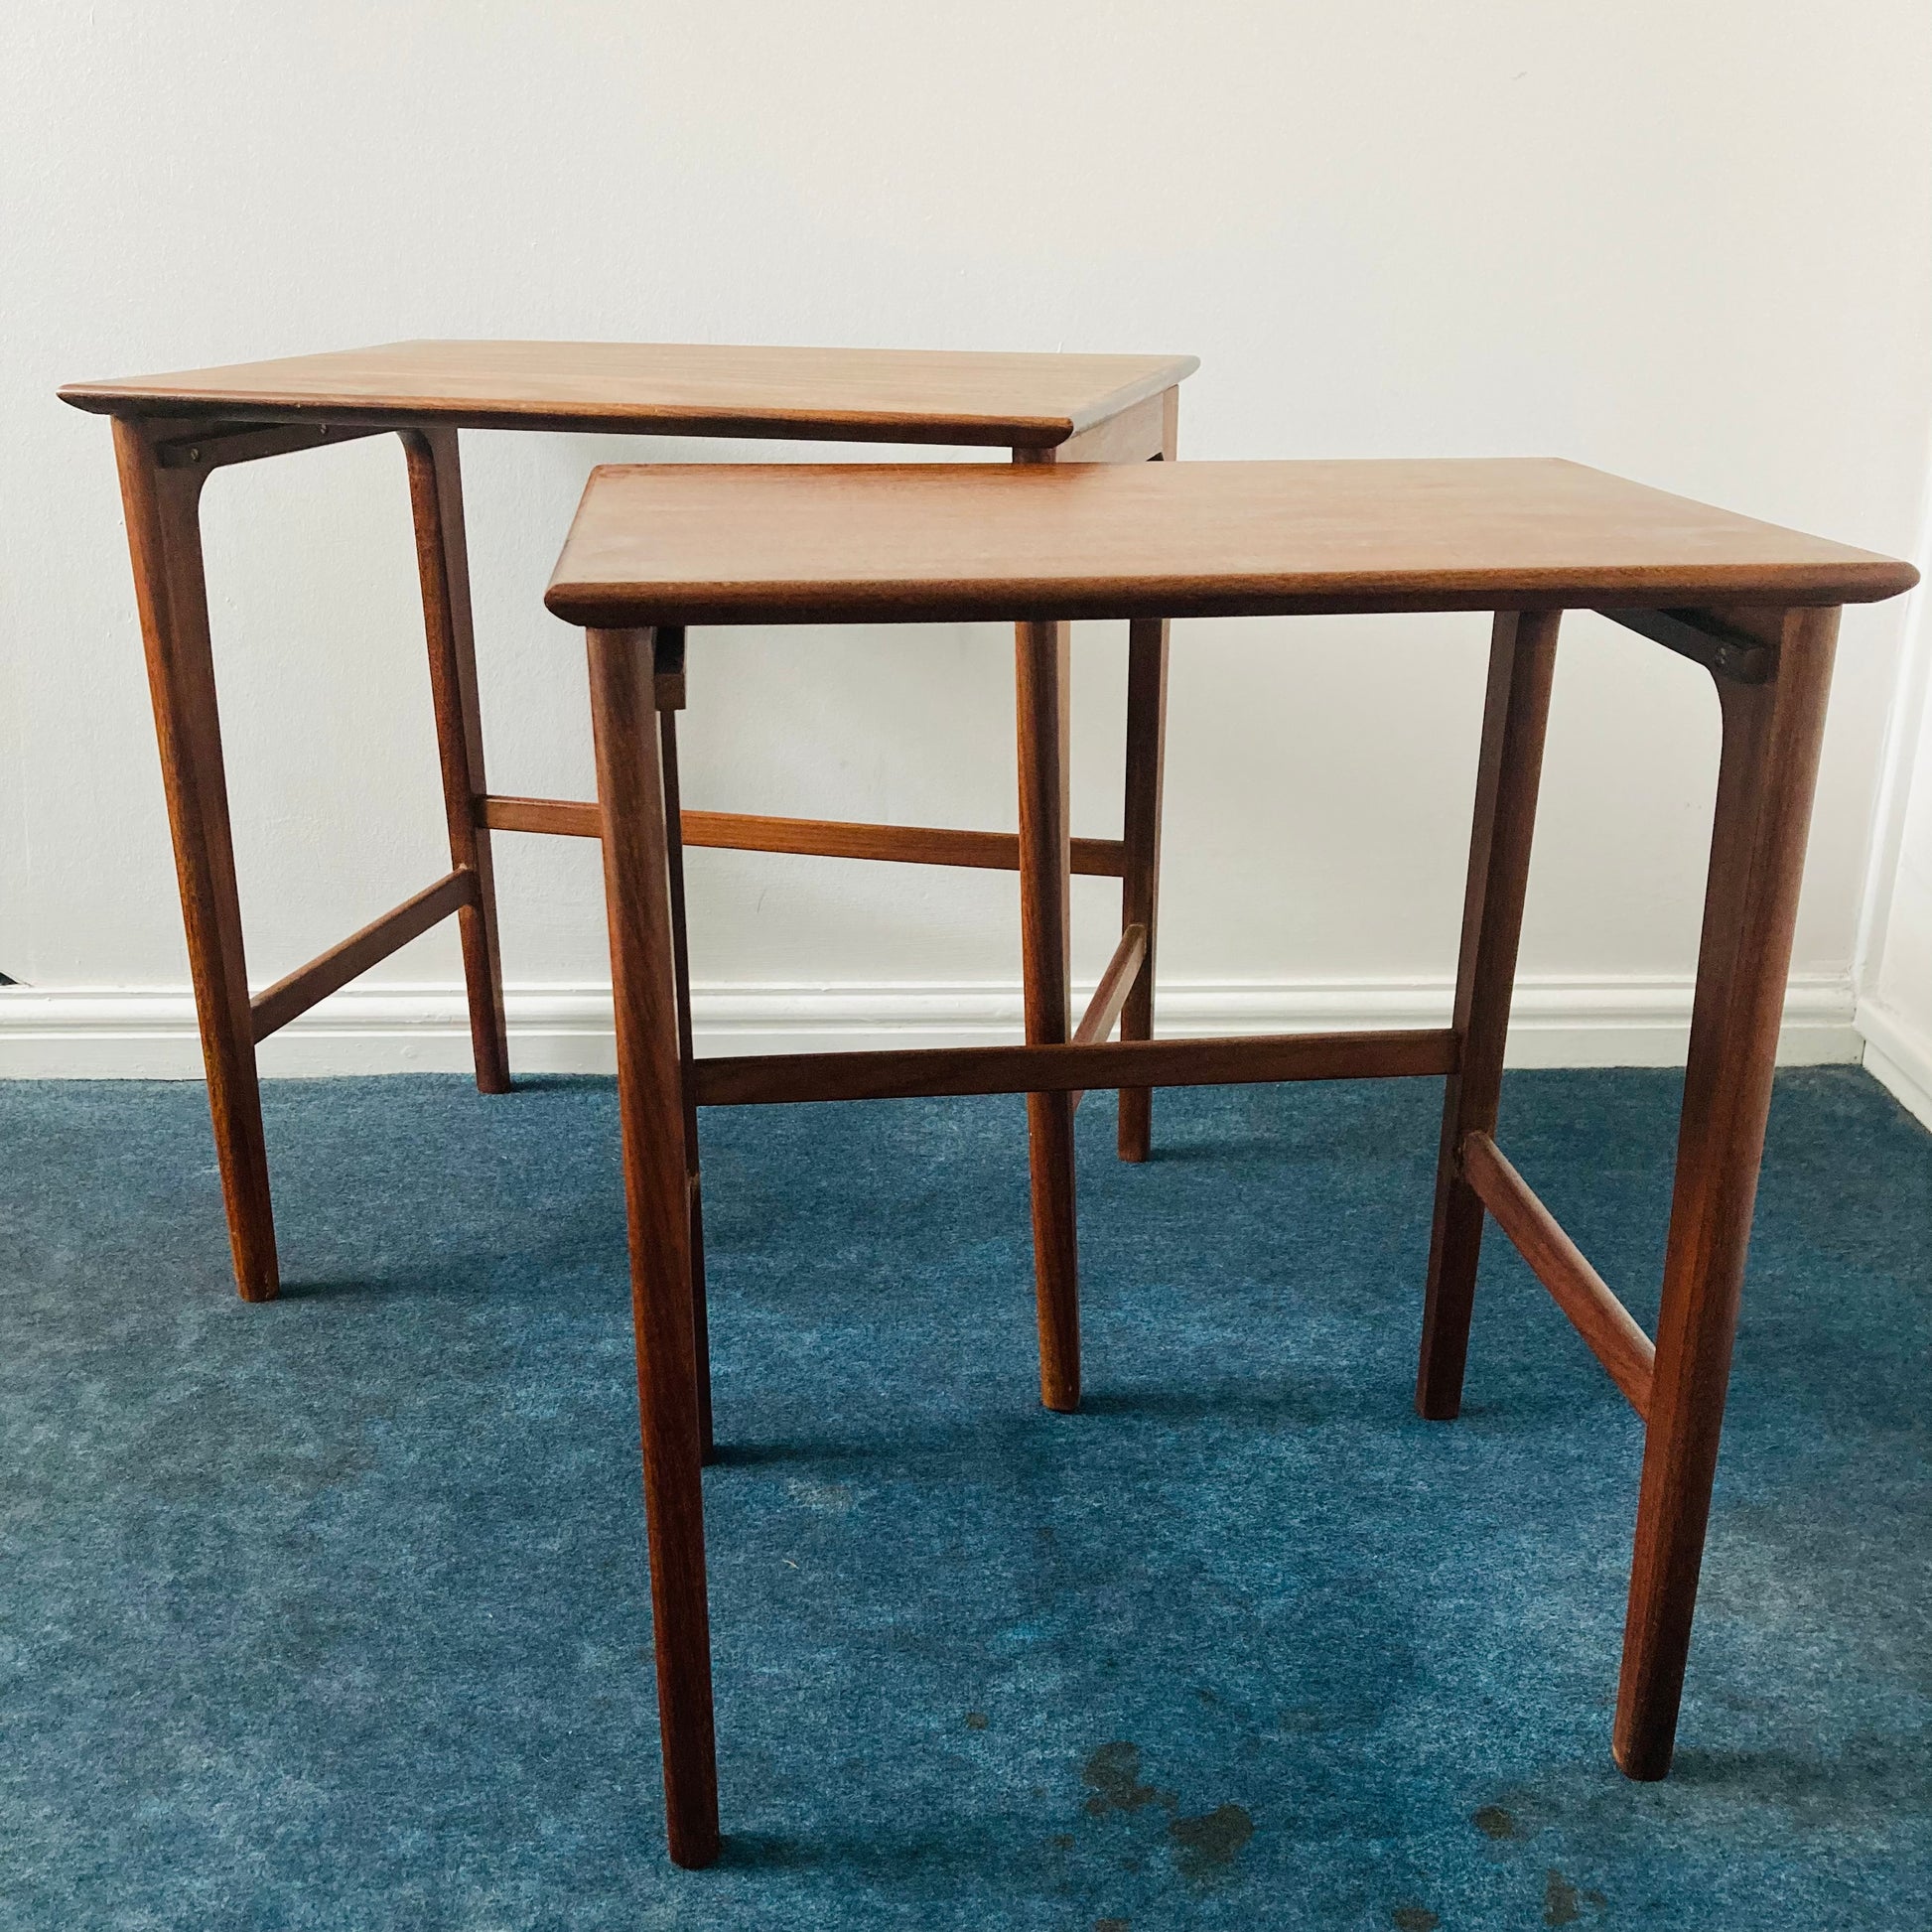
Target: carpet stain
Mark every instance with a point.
(1114, 1773)
(1564, 1902)
(1497, 1821)
(1112, 1925)
(832, 1499)
(1206, 1846)
(303, 1634)
(1414, 1918)
(975, 1720)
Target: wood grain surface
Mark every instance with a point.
(680, 388)
(732, 543)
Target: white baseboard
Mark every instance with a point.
(149, 1033)
(1899, 1055)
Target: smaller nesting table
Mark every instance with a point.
(173, 432)
(655, 550)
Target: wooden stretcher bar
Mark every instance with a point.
(768, 1078)
(1576, 1287)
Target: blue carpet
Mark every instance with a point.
(332, 1613)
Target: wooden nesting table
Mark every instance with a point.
(170, 432)
(656, 549)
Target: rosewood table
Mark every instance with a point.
(170, 432)
(655, 549)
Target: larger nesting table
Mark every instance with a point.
(172, 432)
(656, 549)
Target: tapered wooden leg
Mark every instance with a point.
(1771, 738)
(1147, 726)
(1522, 662)
(443, 564)
(656, 1178)
(162, 509)
(681, 952)
(1045, 881)
(1147, 747)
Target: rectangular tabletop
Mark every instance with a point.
(860, 543)
(872, 395)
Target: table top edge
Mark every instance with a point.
(162, 396)
(639, 606)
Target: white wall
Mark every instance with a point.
(1686, 244)
(1894, 1010)
(1896, 1015)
